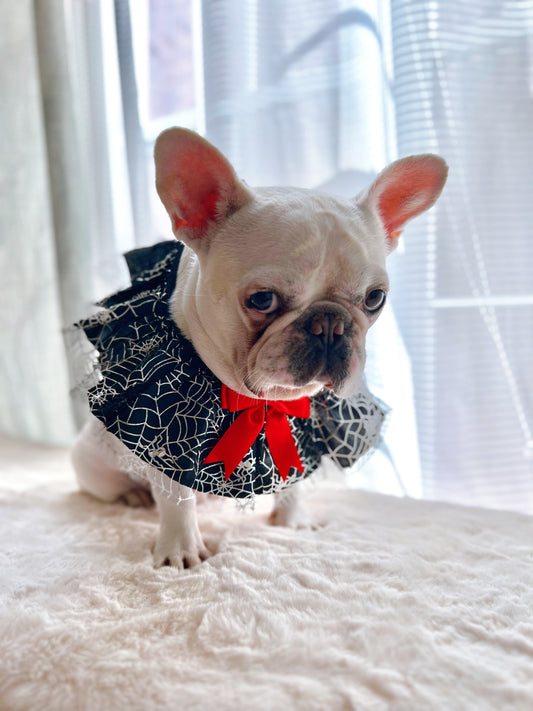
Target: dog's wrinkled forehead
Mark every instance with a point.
(303, 230)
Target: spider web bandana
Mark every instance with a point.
(156, 395)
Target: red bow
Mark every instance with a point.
(242, 433)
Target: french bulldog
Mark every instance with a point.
(277, 289)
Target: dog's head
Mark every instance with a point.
(286, 281)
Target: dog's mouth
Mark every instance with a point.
(277, 391)
(286, 388)
(322, 349)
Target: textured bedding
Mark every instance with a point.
(392, 604)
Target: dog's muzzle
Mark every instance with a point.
(324, 347)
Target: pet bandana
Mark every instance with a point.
(155, 394)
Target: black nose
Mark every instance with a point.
(328, 339)
(327, 327)
(325, 348)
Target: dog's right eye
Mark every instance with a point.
(264, 301)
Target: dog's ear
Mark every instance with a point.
(403, 190)
(196, 184)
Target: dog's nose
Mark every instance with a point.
(326, 348)
(328, 327)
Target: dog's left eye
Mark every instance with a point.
(375, 299)
(264, 301)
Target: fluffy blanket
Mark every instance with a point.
(392, 604)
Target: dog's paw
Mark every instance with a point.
(137, 498)
(296, 517)
(180, 556)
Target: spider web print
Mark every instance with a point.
(161, 401)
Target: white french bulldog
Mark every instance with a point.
(277, 290)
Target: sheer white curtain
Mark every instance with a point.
(465, 298)
(66, 212)
(315, 93)
(285, 84)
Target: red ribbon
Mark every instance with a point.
(242, 433)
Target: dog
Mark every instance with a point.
(273, 294)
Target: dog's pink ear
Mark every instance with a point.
(405, 189)
(196, 183)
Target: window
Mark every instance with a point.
(168, 64)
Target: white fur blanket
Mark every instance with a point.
(394, 604)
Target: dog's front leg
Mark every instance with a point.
(179, 542)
